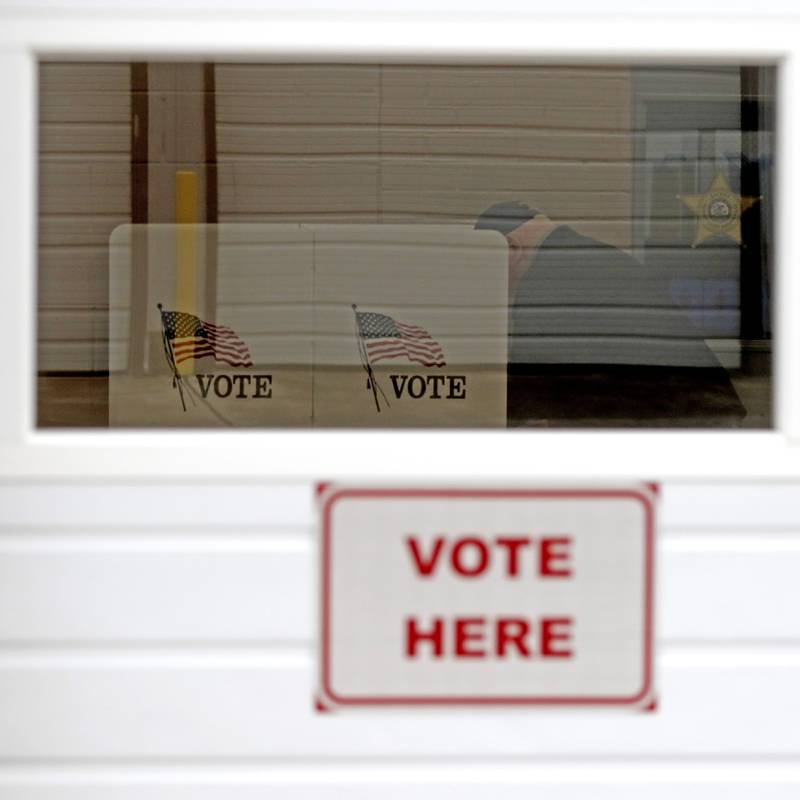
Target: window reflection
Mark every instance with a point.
(405, 245)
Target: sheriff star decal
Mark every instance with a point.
(718, 210)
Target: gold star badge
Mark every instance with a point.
(718, 211)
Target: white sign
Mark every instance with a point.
(487, 596)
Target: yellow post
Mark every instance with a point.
(186, 249)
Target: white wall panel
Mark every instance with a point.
(192, 507)
(259, 588)
(401, 787)
(156, 641)
(165, 590)
(570, 780)
(727, 506)
(723, 506)
(718, 588)
(187, 705)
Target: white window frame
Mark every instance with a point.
(292, 455)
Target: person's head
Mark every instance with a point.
(505, 217)
(510, 218)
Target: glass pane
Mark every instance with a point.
(370, 245)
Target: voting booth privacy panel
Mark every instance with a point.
(197, 350)
(305, 325)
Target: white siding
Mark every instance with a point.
(156, 641)
(84, 193)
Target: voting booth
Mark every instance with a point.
(307, 325)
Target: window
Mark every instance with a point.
(398, 245)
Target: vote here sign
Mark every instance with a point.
(486, 596)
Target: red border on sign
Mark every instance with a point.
(633, 494)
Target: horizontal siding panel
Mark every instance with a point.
(488, 95)
(243, 141)
(255, 590)
(86, 106)
(77, 138)
(64, 77)
(113, 592)
(519, 71)
(260, 94)
(564, 162)
(732, 506)
(84, 187)
(282, 79)
(505, 141)
(67, 324)
(72, 356)
(66, 230)
(602, 205)
(506, 81)
(299, 185)
(310, 105)
(596, 117)
(501, 141)
(368, 781)
(320, 216)
(245, 317)
(254, 287)
(267, 506)
(506, 175)
(75, 277)
(695, 506)
(267, 320)
(729, 589)
(181, 707)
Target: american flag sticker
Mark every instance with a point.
(381, 337)
(385, 337)
(186, 337)
(190, 337)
